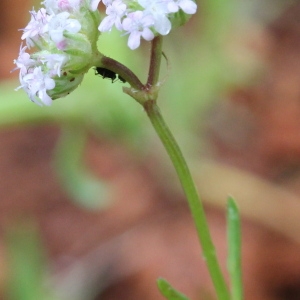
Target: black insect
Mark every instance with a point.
(105, 73)
(121, 79)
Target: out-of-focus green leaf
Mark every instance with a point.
(27, 266)
(234, 250)
(168, 291)
(84, 188)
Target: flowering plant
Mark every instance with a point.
(65, 34)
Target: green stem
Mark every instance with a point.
(121, 70)
(194, 202)
(155, 59)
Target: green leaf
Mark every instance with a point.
(27, 264)
(168, 291)
(84, 188)
(234, 253)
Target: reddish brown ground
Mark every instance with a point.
(146, 234)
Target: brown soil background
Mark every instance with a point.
(124, 249)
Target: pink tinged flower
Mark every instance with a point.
(115, 11)
(61, 45)
(137, 25)
(69, 4)
(36, 85)
(37, 26)
(93, 4)
(57, 6)
(60, 23)
(24, 61)
(188, 6)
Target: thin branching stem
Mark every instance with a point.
(123, 71)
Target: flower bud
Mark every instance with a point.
(80, 53)
(65, 84)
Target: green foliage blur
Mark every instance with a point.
(198, 69)
(201, 67)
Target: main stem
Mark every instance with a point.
(147, 95)
(191, 193)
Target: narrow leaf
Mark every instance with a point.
(26, 262)
(82, 186)
(234, 252)
(168, 291)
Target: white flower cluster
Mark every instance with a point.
(64, 48)
(143, 18)
(65, 33)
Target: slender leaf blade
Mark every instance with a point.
(234, 252)
(168, 291)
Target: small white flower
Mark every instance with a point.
(107, 2)
(115, 11)
(57, 6)
(158, 9)
(144, 18)
(69, 5)
(51, 6)
(24, 61)
(188, 6)
(36, 84)
(37, 26)
(54, 63)
(137, 25)
(156, 6)
(162, 24)
(93, 4)
(60, 23)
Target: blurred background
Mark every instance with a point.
(90, 206)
